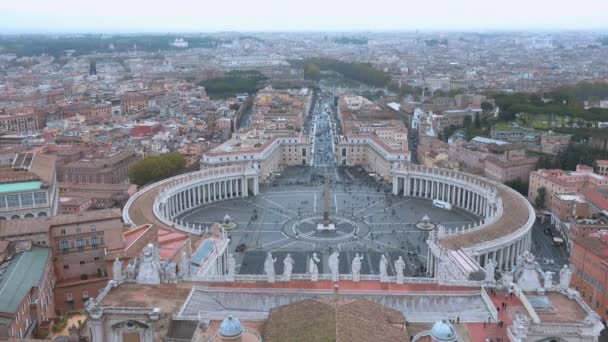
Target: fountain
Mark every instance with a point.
(425, 224)
(227, 224)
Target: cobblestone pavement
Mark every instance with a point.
(369, 220)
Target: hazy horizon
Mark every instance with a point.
(189, 16)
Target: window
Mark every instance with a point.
(78, 230)
(12, 200)
(66, 267)
(96, 258)
(94, 241)
(40, 197)
(63, 232)
(27, 199)
(93, 228)
(65, 245)
(80, 243)
(85, 294)
(82, 262)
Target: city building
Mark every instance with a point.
(557, 181)
(372, 137)
(589, 260)
(28, 187)
(26, 291)
(268, 152)
(601, 167)
(495, 159)
(21, 123)
(112, 169)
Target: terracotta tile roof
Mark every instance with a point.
(330, 320)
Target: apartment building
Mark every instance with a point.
(113, 169)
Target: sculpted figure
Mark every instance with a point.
(356, 267)
(117, 270)
(399, 267)
(287, 267)
(313, 269)
(269, 267)
(383, 268)
(565, 274)
(334, 262)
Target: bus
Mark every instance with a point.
(442, 204)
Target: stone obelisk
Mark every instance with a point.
(326, 223)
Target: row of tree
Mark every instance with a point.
(234, 82)
(566, 101)
(35, 45)
(361, 72)
(154, 168)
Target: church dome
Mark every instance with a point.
(231, 327)
(443, 331)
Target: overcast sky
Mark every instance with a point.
(17, 16)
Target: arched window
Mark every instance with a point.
(29, 215)
(15, 217)
(42, 214)
(2, 218)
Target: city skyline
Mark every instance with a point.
(113, 16)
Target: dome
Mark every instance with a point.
(443, 331)
(231, 327)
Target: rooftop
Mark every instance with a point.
(19, 275)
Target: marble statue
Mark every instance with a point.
(184, 266)
(269, 267)
(313, 269)
(170, 274)
(287, 267)
(131, 270)
(399, 267)
(356, 267)
(443, 270)
(149, 267)
(565, 274)
(490, 269)
(334, 263)
(548, 280)
(231, 265)
(117, 270)
(383, 269)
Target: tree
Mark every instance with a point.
(541, 196)
(312, 72)
(519, 186)
(544, 162)
(477, 120)
(467, 121)
(487, 107)
(154, 168)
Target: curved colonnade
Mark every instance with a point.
(502, 234)
(161, 203)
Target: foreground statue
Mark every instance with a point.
(313, 269)
(334, 263)
(269, 267)
(565, 274)
(287, 267)
(399, 267)
(149, 267)
(356, 267)
(383, 269)
(117, 270)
